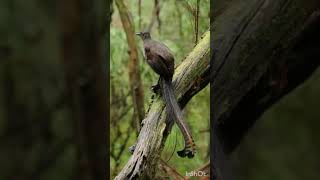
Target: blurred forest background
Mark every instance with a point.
(53, 95)
(173, 23)
(53, 102)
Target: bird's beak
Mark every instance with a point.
(138, 34)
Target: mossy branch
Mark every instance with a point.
(154, 128)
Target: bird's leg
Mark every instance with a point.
(156, 88)
(132, 148)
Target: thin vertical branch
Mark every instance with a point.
(110, 12)
(133, 65)
(139, 12)
(180, 18)
(155, 16)
(157, 8)
(196, 21)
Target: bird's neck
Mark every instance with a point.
(146, 41)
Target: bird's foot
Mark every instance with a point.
(132, 148)
(155, 88)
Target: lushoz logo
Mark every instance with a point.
(196, 173)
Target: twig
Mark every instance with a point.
(155, 15)
(205, 167)
(122, 148)
(139, 12)
(187, 6)
(196, 22)
(179, 17)
(157, 7)
(170, 170)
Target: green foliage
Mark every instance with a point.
(177, 32)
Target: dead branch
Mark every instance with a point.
(142, 163)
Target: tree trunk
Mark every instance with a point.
(38, 106)
(83, 59)
(262, 49)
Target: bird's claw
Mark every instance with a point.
(155, 88)
(132, 148)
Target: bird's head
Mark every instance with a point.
(144, 35)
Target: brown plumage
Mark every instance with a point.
(158, 56)
(161, 60)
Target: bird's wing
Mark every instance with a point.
(158, 65)
(165, 54)
(162, 50)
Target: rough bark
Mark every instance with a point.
(188, 80)
(262, 50)
(258, 56)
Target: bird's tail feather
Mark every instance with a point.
(173, 109)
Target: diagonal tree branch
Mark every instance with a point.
(142, 163)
